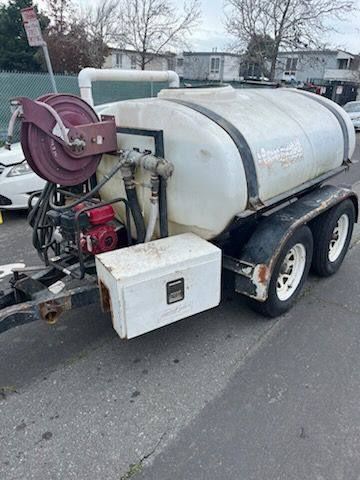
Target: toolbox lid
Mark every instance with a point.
(156, 255)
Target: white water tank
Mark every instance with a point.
(230, 148)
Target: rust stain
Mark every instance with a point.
(105, 301)
(51, 310)
(263, 274)
(105, 298)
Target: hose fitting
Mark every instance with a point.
(148, 161)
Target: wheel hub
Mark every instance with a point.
(291, 272)
(338, 238)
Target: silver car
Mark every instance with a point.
(353, 109)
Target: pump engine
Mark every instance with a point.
(96, 227)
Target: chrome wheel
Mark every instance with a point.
(291, 272)
(338, 239)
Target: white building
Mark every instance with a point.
(202, 66)
(218, 66)
(130, 60)
(317, 65)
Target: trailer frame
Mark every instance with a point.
(45, 293)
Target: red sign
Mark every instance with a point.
(32, 27)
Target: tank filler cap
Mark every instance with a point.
(63, 139)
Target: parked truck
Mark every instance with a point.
(146, 204)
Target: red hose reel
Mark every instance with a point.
(64, 161)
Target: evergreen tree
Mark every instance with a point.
(15, 52)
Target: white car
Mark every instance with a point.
(17, 180)
(353, 109)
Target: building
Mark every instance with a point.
(317, 66)
(335, 74)
(130, 60)
(202, 66)
(213, 66)
(179, 68)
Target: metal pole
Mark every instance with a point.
(49, 66)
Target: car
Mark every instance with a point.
(353, 109)
(17, 180)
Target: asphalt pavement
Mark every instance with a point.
(224, 394)
(292, 411)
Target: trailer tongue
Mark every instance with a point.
(145, 205)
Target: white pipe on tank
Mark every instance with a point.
(154, 212)
(89, 75)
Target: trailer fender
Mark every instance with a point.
(254, 268)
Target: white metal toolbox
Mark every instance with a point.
(150, 285)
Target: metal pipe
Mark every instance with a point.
(89, 75)
(149, 162)
(49, 66)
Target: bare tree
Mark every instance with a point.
(290, 23)
(61, 13)
(153, 26)
(77, 40)
(103, 25)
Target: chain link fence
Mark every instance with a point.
(33, 85)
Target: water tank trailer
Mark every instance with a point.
(147, 203)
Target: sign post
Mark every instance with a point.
(35, 39)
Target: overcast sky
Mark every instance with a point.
(212, 33)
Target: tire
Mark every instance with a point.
(328, 256)
(281, 297)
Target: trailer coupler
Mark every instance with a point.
(48, 305)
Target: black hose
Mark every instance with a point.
(88, 195)
(163, 212)
(136, 213)
(42, 230)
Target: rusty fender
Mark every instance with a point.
(49, 306)
(254, 269)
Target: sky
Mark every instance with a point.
(212, 32)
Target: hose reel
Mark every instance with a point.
(62, 137)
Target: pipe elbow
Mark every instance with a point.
(173, 79)
(85, 77)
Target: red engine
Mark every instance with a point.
(99, 235)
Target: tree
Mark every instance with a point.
(70, 49)
(102, 23)
(15, 52)
(77, 39)
(61, 13)
(257, 55)
(289, 23)
(151, 27)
